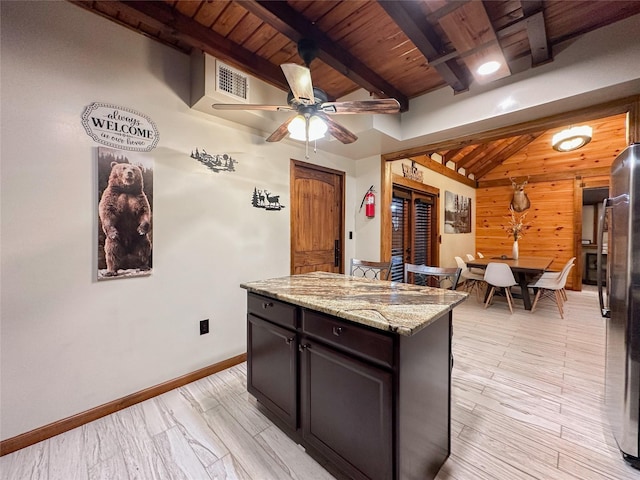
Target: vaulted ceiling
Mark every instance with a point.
(400, 49)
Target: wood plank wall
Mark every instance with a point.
(551, 216)
(555, 191)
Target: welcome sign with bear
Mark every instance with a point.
(125, 196)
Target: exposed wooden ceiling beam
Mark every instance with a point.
(549, 177)
(477, 30)
(170, 22)
(438, 167)
(413, 23)
(622, 105)
(509, 149)
(290, 23)
(537, 32)
(470, 158)
(450, 156)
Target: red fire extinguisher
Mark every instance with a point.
(369, 201)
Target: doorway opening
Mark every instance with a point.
(592, 199)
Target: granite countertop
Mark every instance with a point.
(391, 306)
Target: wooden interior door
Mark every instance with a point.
(317, 218)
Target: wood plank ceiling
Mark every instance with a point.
(400, 49)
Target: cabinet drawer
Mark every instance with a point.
(350, 337)
(275, 311)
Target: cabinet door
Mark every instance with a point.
(346, 409)
(272, 369)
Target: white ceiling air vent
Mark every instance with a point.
(232, 82)
(213, 81)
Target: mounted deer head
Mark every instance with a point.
(520, 202)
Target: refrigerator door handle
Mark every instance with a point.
(604, 308)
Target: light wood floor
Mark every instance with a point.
(526, 404)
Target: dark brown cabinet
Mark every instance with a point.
(272, 363)
(367, 403)
(346, 407)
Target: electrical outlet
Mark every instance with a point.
(204, 326)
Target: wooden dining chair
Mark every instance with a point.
(368, 269)
(499, 276)
(432, 276)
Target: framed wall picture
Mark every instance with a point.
(457, 213)
(125, 197)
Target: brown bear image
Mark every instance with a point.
(125, 215)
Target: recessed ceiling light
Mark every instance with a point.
(488, 68)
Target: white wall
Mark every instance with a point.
(68, 342)
(367, 233)
(588, 212)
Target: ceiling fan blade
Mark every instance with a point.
(280, 132)
(248, 106)
(383, 105)
(299, 79)
(338, 131)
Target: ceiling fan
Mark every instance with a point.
(313, 110)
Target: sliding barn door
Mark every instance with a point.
(414, 230)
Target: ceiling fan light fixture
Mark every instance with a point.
(572, 138)
(317, 128)
(297, 128)
(305, 128)
(488, 68)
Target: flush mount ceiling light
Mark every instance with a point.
(572, 138)
(488, 68)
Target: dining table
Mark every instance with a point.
(523, 268)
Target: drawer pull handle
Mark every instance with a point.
(289, 340)
(303, 346)
(337, 331)
(266, 305)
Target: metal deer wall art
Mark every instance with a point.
(520, 202)
(264, 199)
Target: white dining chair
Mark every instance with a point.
(472, 281)
(551, 288)
(557, 275)
(477, 271)
(499, 276)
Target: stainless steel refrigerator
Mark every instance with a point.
(619, 292)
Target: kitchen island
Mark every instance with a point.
(357, 371)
